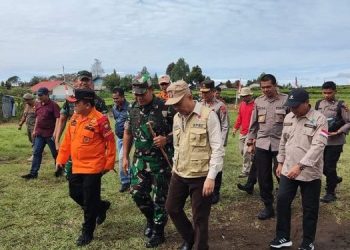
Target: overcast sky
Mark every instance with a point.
(308, 39)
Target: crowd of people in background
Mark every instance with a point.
(179, 148)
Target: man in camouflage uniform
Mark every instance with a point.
(150, 172)
(84, 81)
(28, 117)
(209, 100)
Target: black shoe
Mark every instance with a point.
(84, 240)
(328, 198)
(309, 246)
(102, 215)
(59, 172)
(149, 228)
(339, 179)
(157, 237)
(266, 213)
(124, 188)
(186, 246)
(29, 176)
(281, 242)
(249, 188)
(215, 199)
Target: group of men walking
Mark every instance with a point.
(297, 143)
(179, 152)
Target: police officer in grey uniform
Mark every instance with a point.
(266, 127)
(338, 126)
(209, 100)
(300, 164)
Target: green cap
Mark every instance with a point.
(141, 83)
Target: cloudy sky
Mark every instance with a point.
(308, 39)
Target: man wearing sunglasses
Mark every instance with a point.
(164, 82)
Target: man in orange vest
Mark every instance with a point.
(90, 142)
(164, 82)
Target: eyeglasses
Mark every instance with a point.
(164, 83)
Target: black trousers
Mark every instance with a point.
(330, 157)
(179, 189)
(263, 161)
(85, 189)
(218, 182)
(310, 195)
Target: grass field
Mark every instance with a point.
(39, 214)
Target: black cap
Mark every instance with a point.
(43, 91)
(82, 94)
(297, 97)
(84, 74)
(207, 85)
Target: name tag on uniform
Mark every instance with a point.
(198, 125)
(287, 123)
(310, 125)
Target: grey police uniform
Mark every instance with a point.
(303, 141)
(266, 127)
(335, 142)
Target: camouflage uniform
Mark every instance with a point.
(150, 173)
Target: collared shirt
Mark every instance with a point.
(329, 109)
(303, 141)
(220, 109)
(90, 142)
(267, 121)
(215, 139)
(120, 114)
(46, 115)
(243, 118)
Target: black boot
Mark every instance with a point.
(149, 228)
(248, 187)
(266, 213)
(157, 237)
(102, 213)
(84, 239)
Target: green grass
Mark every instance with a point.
(39, 214)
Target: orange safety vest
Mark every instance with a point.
(90, 142)
(163, 95)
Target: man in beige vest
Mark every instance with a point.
(198, 158)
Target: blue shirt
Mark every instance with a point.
(120, 115)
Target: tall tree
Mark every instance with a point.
(126, 82)
(180, 71)
(170, 68)
(111, 81)
(96, 68)
(13, 80)
(155, 81)
(37, 79)
(196, 76)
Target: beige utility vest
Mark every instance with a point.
(192, 148)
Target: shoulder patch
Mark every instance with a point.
(105, 128)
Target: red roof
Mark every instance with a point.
(50, 85)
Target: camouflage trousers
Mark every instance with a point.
(149, 187)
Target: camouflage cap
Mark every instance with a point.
(141, 83)
(28, 96)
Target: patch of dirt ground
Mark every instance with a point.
(235, 226)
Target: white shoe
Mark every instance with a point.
(30, 158)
